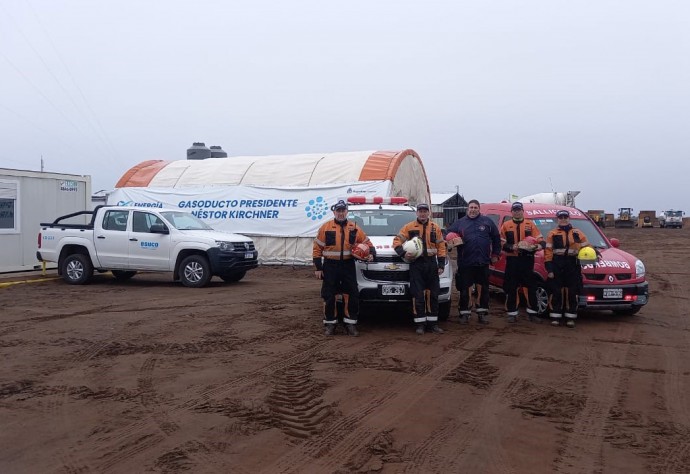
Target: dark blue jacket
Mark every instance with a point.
(481, 239)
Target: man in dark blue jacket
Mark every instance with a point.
(481, 246)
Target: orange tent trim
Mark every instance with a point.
(141, 174)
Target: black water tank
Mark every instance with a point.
(218, 152)
(198, 151)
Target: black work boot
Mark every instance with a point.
(352, 330)
(420, 328)
(435, 329)
(329, 330)
(483, 318)
(534, 318)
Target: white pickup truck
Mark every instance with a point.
(386, 279)
(126, 240)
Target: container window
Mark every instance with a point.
(7, 213)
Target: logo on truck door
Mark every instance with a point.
(148, 245)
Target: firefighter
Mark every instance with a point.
(520, 240)
(335, 266)
(564, 274)
(425, 269)
(481, 246)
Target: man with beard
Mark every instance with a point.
(481, 246)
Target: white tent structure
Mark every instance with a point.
(280, 201)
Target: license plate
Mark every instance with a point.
(249, 255)
(393, 290)
(613, 293)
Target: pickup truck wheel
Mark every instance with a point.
(233, 277)
(443, 311)
(195, 271)
(122, 275)
(77, 269)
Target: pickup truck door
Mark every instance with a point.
(148, 250)
(110, 240)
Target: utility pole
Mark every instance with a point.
(41, 163)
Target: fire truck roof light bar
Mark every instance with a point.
(376, 200)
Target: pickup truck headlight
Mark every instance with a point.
(224, 246)
(639, 268)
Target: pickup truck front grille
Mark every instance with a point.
(243, 246)
(602, 276)
(386, 275)
(388, 259)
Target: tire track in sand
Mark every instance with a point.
(675, 394)
(133, 440)
(195, 450)
(582, 450)
(480, 429)
(340, 441)
(71, 461)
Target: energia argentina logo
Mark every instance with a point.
(317, 208)
(140, 204)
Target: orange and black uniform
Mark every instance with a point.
(520, 264)
(424, 277)
(332, 254)
(562, 245)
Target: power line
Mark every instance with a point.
(74, 82)
(38, 127)
(40, 92)
(36, 88)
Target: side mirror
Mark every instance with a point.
(159, 229)
(615, 243)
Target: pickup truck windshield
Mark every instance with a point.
(381, 222)
(674, 213)
(184, 221)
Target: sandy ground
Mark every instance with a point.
(149, 376)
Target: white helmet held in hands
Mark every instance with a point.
(414, 246)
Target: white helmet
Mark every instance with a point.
(414, 246)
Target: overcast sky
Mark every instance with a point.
(498, 97)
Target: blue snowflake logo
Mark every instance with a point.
(316, 209)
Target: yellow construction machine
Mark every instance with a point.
(625, 218)
(598, 216)
(646, 218)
